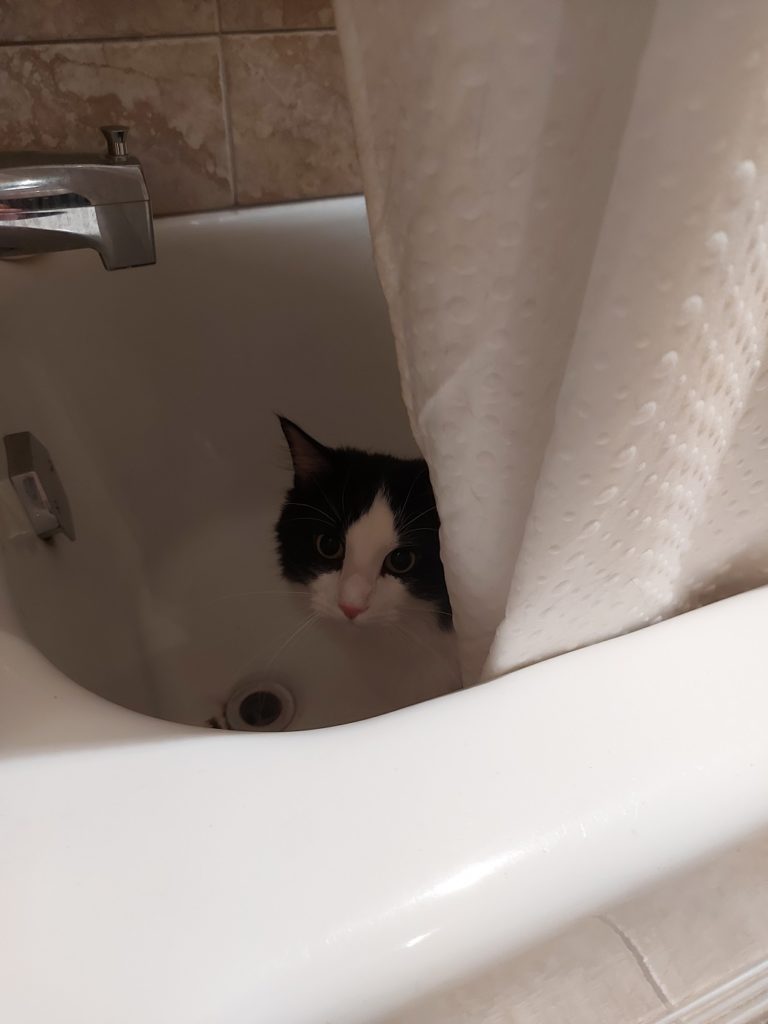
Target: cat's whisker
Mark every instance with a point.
(254, 659)
(422, 643)
(313, 508)
(330, 504)
(410, 489)
(256, 593)
(404, 538)
(202, 605)
(322, 606)
(311, 519)
(294, 636)
(417, 517)
(344, 491)
(429, 611)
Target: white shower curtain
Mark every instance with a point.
(568, 201)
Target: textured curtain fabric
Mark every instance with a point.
(568, 201)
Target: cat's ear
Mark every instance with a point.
(309, 457)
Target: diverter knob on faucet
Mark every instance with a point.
(115, 134)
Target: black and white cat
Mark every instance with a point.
(360, 531)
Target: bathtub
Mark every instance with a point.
(156, 392)
(397, 835)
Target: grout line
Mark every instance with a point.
(227, 114)
(100, 40)
(170, 37)
(638, 957)
(225, 110)
(280, 31)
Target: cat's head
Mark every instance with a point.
(360, 530)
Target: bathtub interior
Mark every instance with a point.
(155, 391)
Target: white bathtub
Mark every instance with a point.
(159, 872)
(156, 392)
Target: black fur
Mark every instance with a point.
(333, 487)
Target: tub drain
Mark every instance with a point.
(260, 709)
(259, 705)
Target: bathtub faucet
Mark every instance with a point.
(51, 202)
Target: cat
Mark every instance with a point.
(361, 531)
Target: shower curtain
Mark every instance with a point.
(568, 201)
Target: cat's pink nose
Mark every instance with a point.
(350, 610)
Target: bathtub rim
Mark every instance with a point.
(646, 805)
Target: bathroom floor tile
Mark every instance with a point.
(585, 976)
(697, 931)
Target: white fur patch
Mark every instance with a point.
(360, 583)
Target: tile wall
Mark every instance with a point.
(230, 102)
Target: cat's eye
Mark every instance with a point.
(328, 546)
(400, 561)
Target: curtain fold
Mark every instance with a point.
(568, 203)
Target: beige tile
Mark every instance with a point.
(22, 20)
(168, 92)
(268, 15)
(585, 976)
(291, 124)
(703, 928)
